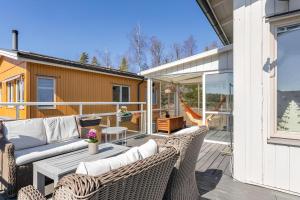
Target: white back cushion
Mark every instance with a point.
(25, 133)
(187, 130)
(60, 128)
(96, 168)
(148, 149)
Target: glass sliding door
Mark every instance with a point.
(218, 103)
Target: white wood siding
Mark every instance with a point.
(220, 61)
(255, 161)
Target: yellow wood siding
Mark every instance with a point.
(8, 69)
(71, 85)
(80, 86)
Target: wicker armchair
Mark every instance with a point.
(182, 183)
(144, 179)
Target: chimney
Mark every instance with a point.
(15, 40)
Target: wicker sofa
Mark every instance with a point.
(23, 142)
(182, 183)
(143, 179)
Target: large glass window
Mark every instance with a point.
(288, 79)
(121, 93)
(218, 89)
(46, 90)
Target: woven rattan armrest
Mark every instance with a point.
(30, 193)
(8, 167)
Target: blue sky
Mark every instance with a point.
(65, 28)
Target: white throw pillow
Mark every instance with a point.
(98, 167)
(25, 133)
(60, 128)
(148, 149)
(187, 130)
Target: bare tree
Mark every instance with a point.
(156, 50)
(211, 46)
(138, 46)
(105, 58)
(176, 51)
(190, 46)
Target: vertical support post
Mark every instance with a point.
(159, 98)
(117, 115)
(80, 109)
(142, 118)
(203, 100)
(199, 98)
(17, 112)
(177, 104)
(149, 105)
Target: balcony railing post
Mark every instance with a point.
(80, 109)
(117, 115)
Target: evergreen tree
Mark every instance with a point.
(94, 61)
(290, 120)
(84, 58)
(124, 65)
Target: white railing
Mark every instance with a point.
(79, 104)
(21, 105)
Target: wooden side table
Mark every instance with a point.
(170, 124)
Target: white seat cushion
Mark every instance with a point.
(148, 149)
(25, 133)
(60, 128)
(98, 167)
(41, 152)
(187, 130)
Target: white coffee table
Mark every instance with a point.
(58, 166)
(114, 131)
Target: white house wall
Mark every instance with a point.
(255, 161)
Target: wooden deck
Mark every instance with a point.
(214, 176)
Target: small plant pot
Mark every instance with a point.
(93, 148)
(85, 122)
(126, 118)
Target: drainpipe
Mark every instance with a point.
(139, 91)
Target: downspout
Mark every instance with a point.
(139, 91)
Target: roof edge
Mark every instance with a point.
(206, 9)
(53, 61)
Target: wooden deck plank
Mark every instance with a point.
(205, 163)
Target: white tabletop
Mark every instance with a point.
(114, 130)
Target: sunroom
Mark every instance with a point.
(197, 90)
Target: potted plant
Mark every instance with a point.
(124, 115)
(93, 141)
(90, 121)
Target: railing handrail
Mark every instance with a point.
(67, 103)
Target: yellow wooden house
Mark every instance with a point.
(31, 77)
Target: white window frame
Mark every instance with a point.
(274, 25)
(10, 92)
(121, 90)
(54, 91)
